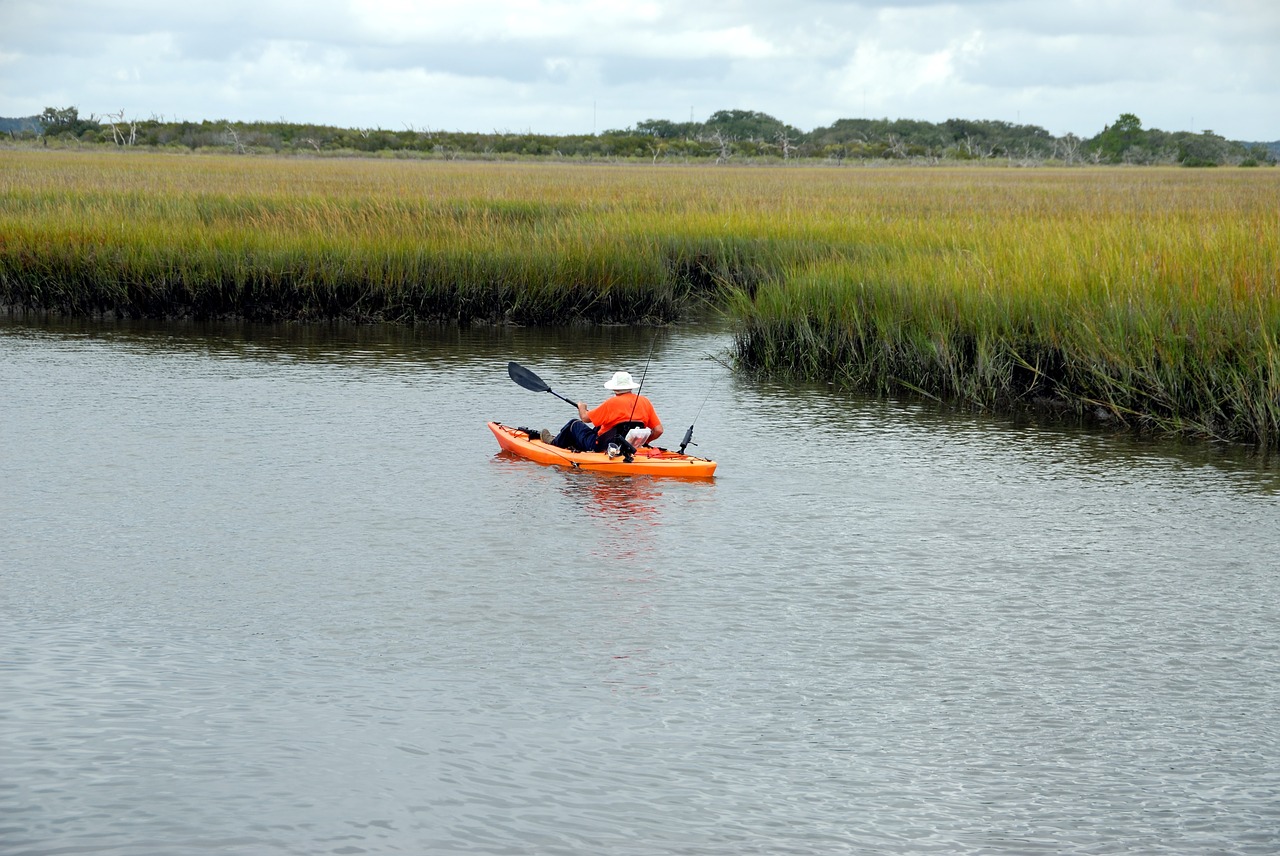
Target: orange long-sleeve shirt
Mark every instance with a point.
(623, 408)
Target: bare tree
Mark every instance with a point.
(1028, 157)
(785, 143)
(233, 137)
(1069, 145)
(975, 149)
(724, 144)
(116, 121)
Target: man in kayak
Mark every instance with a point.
(594, 430)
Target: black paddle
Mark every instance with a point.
(532, 382)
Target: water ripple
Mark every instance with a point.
(270, 594)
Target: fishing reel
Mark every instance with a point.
(622, 448)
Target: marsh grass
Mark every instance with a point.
(1148, 296)
(210, 237)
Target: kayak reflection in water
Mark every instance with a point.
(627, 418)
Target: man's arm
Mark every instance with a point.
(656, 427)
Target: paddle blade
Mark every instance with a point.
(526, 378)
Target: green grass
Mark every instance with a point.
(1150, 297)
(1147, 294)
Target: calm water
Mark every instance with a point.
(272, 591)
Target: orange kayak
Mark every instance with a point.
(647, 461)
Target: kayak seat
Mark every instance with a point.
(618, 433)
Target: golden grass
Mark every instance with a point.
(1148, 293)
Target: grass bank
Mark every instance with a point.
(273, 239)
(1148, 295)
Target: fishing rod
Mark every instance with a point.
(643, 375)
(688, 435)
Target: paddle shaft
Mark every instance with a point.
(562, 398)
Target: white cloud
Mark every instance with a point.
(1070, 65)
(881, 75)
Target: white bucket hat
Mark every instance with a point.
(621, 381)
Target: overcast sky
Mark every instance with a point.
(573, 66)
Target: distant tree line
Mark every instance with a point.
(726, 136)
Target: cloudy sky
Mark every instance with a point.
(577, 66)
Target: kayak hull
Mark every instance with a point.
(647, 461)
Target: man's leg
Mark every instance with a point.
(576, 435)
